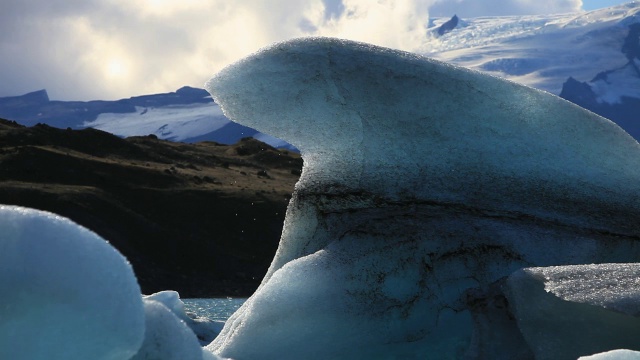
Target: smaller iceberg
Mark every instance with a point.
(620, 354)
(167, 337)
(565, 312)
(205, 329)
(66, 293)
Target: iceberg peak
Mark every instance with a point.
(424, 184)
(402, 125)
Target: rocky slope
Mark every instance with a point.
(203, 219)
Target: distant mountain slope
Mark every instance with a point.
(187, 115)
(183, 214)
(35, 107)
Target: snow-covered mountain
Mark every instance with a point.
(578, 56)
(541, 51)
(588, 58)
(187, 115)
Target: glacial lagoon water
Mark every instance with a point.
(213, 308)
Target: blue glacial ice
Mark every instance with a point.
(67, 294)
(205, 329)
(424, 186)
(167, 337)
(64, 291)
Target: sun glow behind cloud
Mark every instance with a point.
(116, 69)
(109, 49)
(167, 8)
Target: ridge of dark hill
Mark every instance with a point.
(203, 219)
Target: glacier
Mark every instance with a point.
(540, 51)
(174, 122)
(424, 186)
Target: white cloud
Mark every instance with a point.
(108, 49)
(398, 24)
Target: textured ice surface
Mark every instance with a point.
(423, 185)
(611, 286)
(620, 354)
(66, 293)
(568, 311)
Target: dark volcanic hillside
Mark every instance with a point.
(203, 219)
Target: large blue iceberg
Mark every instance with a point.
(424, 186)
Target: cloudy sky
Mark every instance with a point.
(112, 49)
